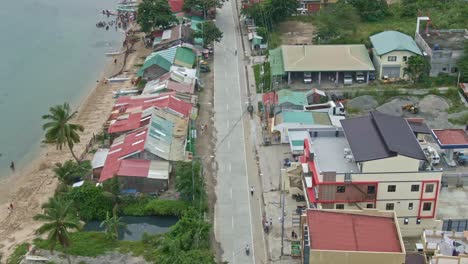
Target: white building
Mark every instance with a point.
(376, 162)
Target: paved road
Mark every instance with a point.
(237, 218)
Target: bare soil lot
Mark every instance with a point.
(296, 32)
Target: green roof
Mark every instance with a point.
(295, 98)
(163, 59)
(276, 62)
(297, 143)
(302, 117)
(389, 41)
(185, 56)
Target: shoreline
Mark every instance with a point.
(31, 185)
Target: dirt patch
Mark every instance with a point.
(295, 32)
(364, 103)
(394, 107)
(205, 144)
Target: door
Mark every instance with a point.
(391, 71)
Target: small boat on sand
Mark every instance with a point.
(118, 79)
(125, 92)
(115, 53)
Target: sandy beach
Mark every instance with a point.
(29, 188)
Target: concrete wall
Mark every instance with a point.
(399, 61)
(348, 257)
(394, 164)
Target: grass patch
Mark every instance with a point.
(149, 206)
(92, 244)
(463, 120)
(18, 254)
(88, 244)
(262, 80)
(275, 40)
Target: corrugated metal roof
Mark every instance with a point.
(315, 58)
(99, 158)
(185, 57)
(293, 97)
(276, 62)
(298, 117)
(162, 58)
(388, 41)
(341, 231)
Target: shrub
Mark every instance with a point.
(166, 207)
(91, 202)
(18, 254)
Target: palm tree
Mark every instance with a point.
(59, 219)
(58, 129)
(112, 225)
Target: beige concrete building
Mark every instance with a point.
(375, 162)
(391, 50)
(351, 237)
(445, 247)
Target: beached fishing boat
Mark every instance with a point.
(128, 2)
(125, 92)
(115, 53)
(118, 79)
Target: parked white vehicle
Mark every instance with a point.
(348, 79)
(360, 77)
(307, 77)
(432, 155)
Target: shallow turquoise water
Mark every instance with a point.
(138, 225)
(50, 52)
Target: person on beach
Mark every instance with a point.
(115, 61)
(12, 166)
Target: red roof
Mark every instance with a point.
(134, 167)
(270, 98)
(128, 145)
(131, 107)
(176, 5)
(451, 136)
(352, 232)
(121, 125)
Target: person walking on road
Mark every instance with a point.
(235, 52)
(251, 190)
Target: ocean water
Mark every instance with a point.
(50, 52)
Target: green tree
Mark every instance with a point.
(71, 171)
(91, 202)
(202, 5)
(59, 219)
(59, 130)
(371, 10)
(190, 186)
(209, 32)
(112, 225)
(280, 10)
(462, 65)
(153, 14)
(336, 23)
(417, 68)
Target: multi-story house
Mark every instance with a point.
(390, 53)
(375, 162)
(351, 237)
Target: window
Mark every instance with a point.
(415, 188)
(389, 206)
(370, 189)
(427, 206)
(391, 188)
(429, 188)
(370, 206)
(391, 58)
(340, 189)
(454, 70)
(410, 206)
(406, 221)
(444, 69)
(405, 58)
(418, 221)
(339, 206)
